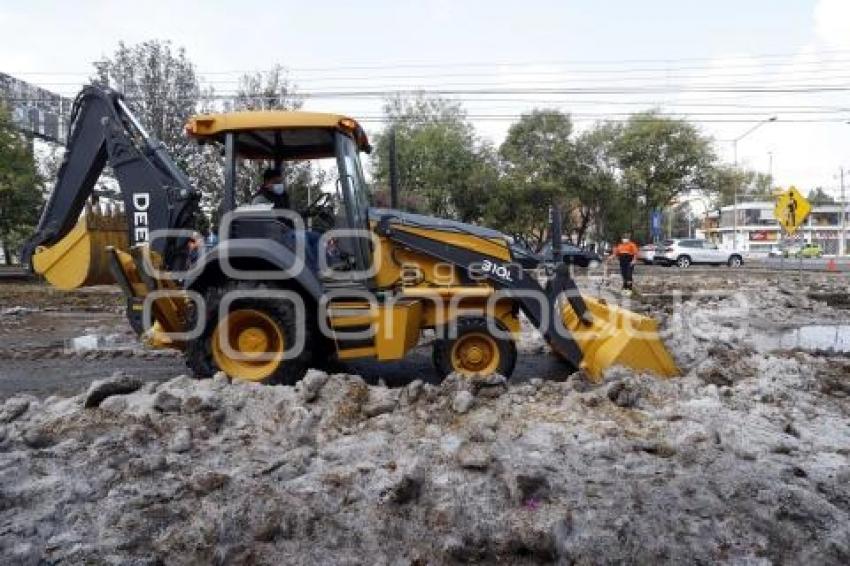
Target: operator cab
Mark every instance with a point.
(281, 139)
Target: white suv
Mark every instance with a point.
(687, 252)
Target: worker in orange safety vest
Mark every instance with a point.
(626, 251)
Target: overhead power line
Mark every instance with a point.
(661, 63)
(666, 74)
(532, 91)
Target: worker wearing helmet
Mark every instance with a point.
(626, 251)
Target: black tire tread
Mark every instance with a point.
(198, 353)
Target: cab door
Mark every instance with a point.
(355, 204)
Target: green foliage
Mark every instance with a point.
(21, 197)
(605, 180)
(273, 91)
(660, 158)
(266, 91)
(600, 201)
(161, 87)
(751, 185)
(538, 161)
(443, 170)
(819, 196)
(544, 163)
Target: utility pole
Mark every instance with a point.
(735, 201)
(393, 159)
(842, 242)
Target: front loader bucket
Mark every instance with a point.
(618, 337)
(79, 259)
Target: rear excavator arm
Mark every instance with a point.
(156, 193)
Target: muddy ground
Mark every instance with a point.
(39, 326)
(745, 459)
(57, 343)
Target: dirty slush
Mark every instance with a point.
(744, 459)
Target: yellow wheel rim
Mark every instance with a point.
(474, 354)
(248, 344)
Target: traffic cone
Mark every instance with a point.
(831, 265)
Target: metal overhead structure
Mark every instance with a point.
(37, 112)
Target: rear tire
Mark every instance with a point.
(683, 262)
(475, 352)
(735, 261)
(205, 356)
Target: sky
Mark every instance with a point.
(710, 62)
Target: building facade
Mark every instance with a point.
(759, 233)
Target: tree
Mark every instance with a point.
(442, 167)
(723, 180)
(21, 196)
(818, 196)
(266, 91)
(548, 164)
(161, 86)
(520, 212)
(603, 205)
(681, 220)
(273, 91)
(660, 158)
(538, 162)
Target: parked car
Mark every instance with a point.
(809, 251)
(686, 252)
(646, 253)
(571, 254)
(524, 256)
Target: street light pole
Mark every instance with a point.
(735, 199)
(842, 242)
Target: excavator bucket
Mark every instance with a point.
(618, 337)
(79, 259)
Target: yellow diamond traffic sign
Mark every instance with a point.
(791, 210)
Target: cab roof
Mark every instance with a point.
(277, 134)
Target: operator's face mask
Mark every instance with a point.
(277, 189)
(624, 240)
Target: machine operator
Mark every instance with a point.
(272, 191)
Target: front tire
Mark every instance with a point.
(735, 261)
(475, 352)
(249, 342)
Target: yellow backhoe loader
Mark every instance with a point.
(274, 296)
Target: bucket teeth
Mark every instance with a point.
(107, 217)
(79, 258)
